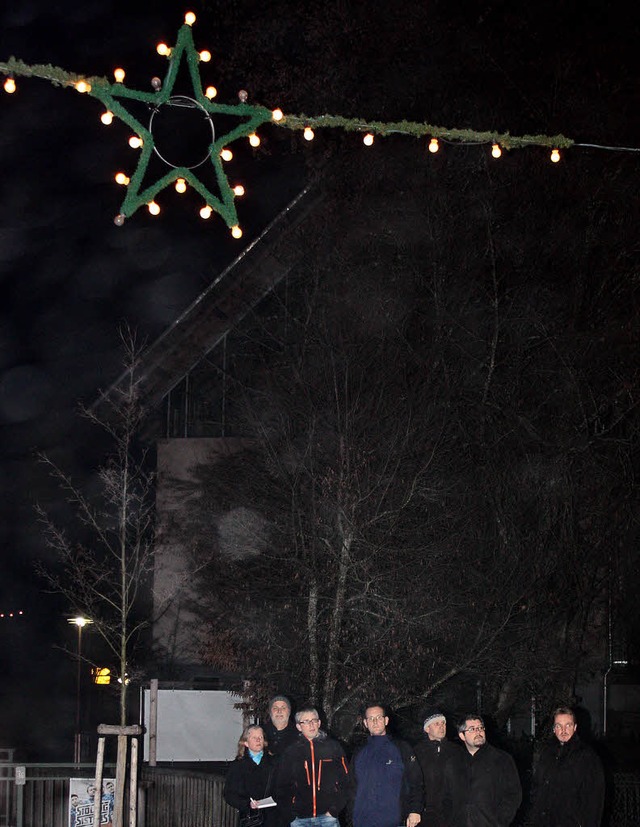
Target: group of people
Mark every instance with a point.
(388, 783)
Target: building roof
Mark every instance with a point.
(225, 302)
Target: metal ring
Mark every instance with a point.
(187, 103)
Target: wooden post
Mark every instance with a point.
(121, 768)
(121, 777)
(133, 783)
(97, 796)
(153, 722)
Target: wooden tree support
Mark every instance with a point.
(123, 733)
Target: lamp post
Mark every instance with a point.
(79, 622)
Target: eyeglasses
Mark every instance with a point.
(563, 728)
(309, 722)
(373, 719)
(474, 729)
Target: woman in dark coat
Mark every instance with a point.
(251, 777)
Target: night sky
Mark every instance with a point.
(70, 278)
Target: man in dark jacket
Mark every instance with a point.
(280, 731)
(385, 781)
(481, 783)
(568, 781)
(311, 784)
(432, 753)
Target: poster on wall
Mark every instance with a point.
(82, 794)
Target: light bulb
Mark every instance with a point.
(308, 133)
(205, 55)
(211, 92)
(238, 190)
(277, 114)
(205, 212)
(181, 185)
(119, 219)
(83, 86)
(106, 118)
(555, 155)
(119, 75)
(236, 232)
(122, 179)
(434, 146)
(496, 151)
(254, 140)
(135, 142)
(163, 49)
(189, 18)
(153, 208)
(226, 154)
(10, 86)
(368, 139)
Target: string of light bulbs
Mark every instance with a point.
(114, 95)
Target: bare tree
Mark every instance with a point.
(104, 562)
(357, 550)
(441, 446)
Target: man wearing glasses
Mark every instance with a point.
(312, 776)
(568, 781)
(481, 783)
(385, 779)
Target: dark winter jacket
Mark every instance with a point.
(312, 778)
(432, 757)
(279, 739)
(245, 780)
(481, 790)
(568, 786)
(385, 783)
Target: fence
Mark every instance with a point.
(37, 795)
(167, 797)
(624, 804)
(182, 798)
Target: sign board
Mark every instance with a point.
(194, 725)
(82, 802)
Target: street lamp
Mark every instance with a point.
(79, 621)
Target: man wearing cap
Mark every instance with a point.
(280, 731)
(385, 782)
(432, 753)
(481, 783)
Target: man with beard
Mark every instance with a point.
(280, 731)
(568, 781)
(481, 783)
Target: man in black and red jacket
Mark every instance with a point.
(312, 775)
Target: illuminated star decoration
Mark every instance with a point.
(252, 117)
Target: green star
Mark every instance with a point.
(253, 116)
